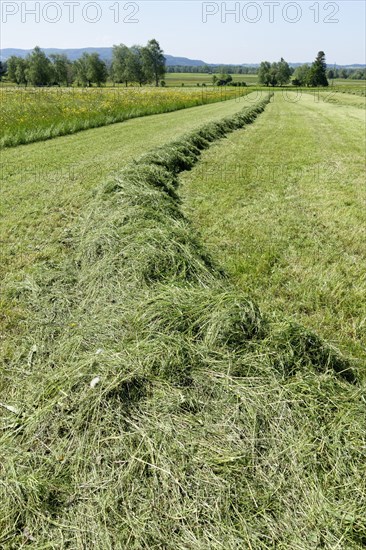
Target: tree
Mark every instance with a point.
(283, 72)
(70, 73)
(273, 74)
(119, 63)
(96, 69)
(264, 76)
(17, 70)
(153, 62)
(21, 72)
(90, 68)
(12, 66)
(134, 71)
(60, 72)
(39, 68)
(224, 79)
(318, 71)
(301, 75)
(3, 69)
(343, 73)
(81, 70)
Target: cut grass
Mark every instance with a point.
(195, 435)
(339, 96)
(44, 186)
(282, 208)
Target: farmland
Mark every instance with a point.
(33, 114)
(183, 321)
(193, 79)
(291, 232)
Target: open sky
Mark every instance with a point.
(216, 32)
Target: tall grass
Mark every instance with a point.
(36, 114)
(152, 406)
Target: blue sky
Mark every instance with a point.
(217, 32)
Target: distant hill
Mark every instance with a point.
(106, 55)
(72, 53)
(183, 61)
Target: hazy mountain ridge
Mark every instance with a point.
(106, 55)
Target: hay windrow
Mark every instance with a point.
(160, 409)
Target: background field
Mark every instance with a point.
(192, 79)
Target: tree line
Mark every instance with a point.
(147, 65)
(212, 69)
(138, 64)
(332, 73)
(352, 74)
(280, 73)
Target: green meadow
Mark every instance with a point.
(281, 205)
(195, 79)
(37, 114)
(183, 330)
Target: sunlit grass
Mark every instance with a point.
(34, 114)
(282, 206)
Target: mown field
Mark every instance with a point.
(192, 79)
(283, 208)
(176, 289)
(35, 114)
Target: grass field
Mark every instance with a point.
(54, 182)
(349, 85)
(172, 290)
(192, 79)
(282, 207)
(35, 114)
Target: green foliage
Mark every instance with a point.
(135, 66)
(138, 64)
(264, 73)
(96, 69)
(301, 75)
(129, 65)
(119, 70)
(38, 71)
(12, 65)
(89, 68)
(21, 72)
(283, 72)
(153, 62)
(61, 70)
(318, 71)
(17, 70)
(223, 79)
(352, 74)
(273, 74)
(81, 70)
(3, 69)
